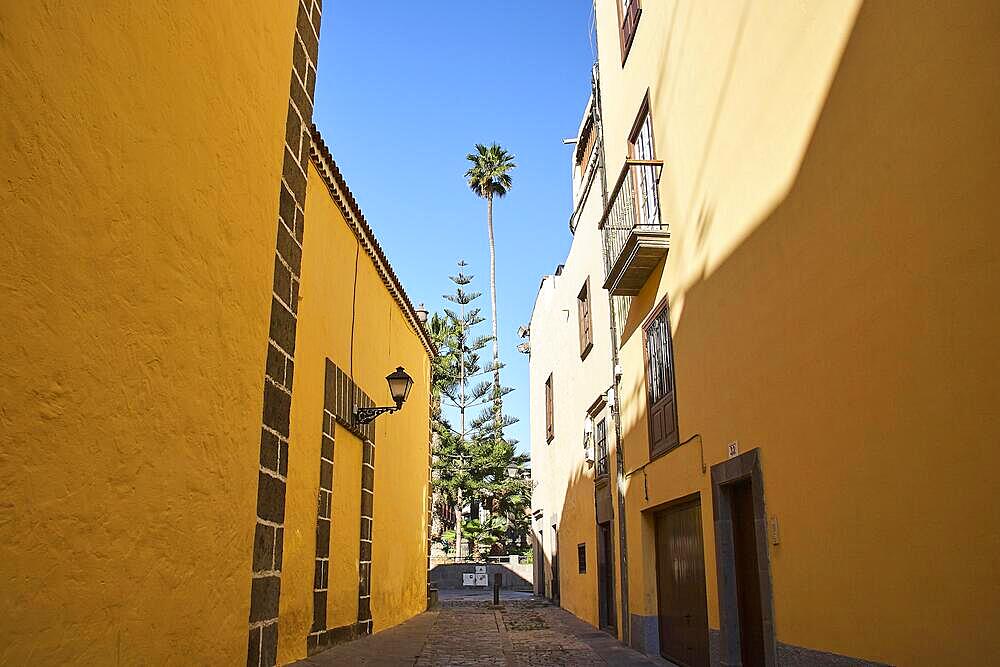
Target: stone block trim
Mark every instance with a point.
(265, 588)
(324, 498)
(340, 397)
(365, 626)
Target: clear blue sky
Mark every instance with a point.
(404, 91)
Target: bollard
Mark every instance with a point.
(496, 587)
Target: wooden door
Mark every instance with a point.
(747, 577)
(606, 578)
(680, 582)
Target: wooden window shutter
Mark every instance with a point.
(586, 326)
(660, 391)
(549, 413)
(628, 20)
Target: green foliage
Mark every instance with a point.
(473, 460)
(489, 175)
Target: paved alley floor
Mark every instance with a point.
(468, 630)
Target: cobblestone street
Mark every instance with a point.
(468, 631)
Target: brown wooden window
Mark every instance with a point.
(601, 447)
(581, 558)
(660, 394)
(628, 20)
(583, 313)
(549, 415)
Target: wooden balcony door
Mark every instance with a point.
(644, 179)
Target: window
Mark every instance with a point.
(581, 558)
(549, 416)
(583, 313)
(585, 145)
(628, 20)
(662, 415)
(644, 179)
(601, 447)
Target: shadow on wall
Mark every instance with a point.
(577, 523)
(854, 325)
(513, 577)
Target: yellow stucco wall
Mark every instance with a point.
(140, 172)
(382, 340)
(830, 185)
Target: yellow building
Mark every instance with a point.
(572, 409)
(801, 226)
(194, 306)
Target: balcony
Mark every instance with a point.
(635, 237)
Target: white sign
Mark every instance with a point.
(468, 580)
(734, 449)
(480, 569)
(481, 579)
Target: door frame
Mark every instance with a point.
(606, 579)
(724, 475)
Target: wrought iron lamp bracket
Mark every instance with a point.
(368, 415)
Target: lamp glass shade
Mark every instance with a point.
(399, 385)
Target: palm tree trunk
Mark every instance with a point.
(497, 406)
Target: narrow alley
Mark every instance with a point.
(467, 629)
(673, 322)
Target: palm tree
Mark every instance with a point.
(489, 177)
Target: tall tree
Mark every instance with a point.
(470, 464)
(489, 177)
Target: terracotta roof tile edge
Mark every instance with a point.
(348, 205)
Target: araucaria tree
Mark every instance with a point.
(489, 177)
(472, 467)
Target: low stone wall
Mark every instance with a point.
(518, 577)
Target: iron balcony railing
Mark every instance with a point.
(634, 204)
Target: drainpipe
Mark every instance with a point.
(625, 630)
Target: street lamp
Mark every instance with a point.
(400, 384)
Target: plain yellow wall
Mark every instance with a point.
(140, 171)
(830, 184)
(383, 339)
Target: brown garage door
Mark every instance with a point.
(680, 582)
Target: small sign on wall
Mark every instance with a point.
(734, 449)
(481, 579)
(480, 569)
(772, 530)
(468, 579)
